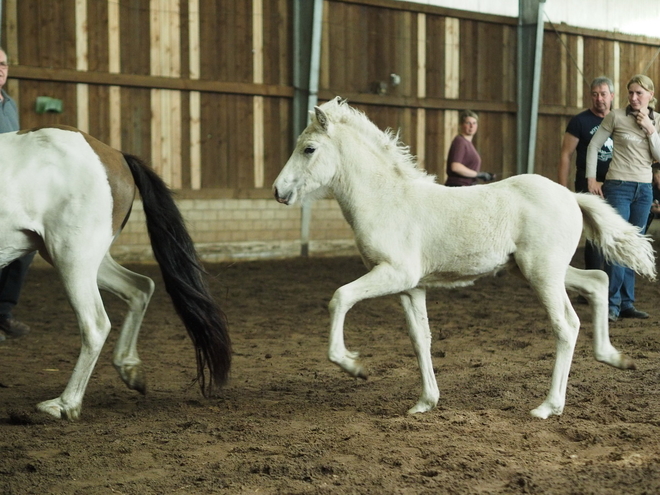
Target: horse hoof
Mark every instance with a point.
(627, 363)
(545, 411)
(55, 409)
(421, 407)
(133, 376)
(361, 373)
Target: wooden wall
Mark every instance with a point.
(203, 88)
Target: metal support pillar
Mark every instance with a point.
(308, 23)
(530, 56)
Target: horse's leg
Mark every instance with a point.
(135, 290)
(79, 279)
(593, 285)
(381, 280)
(414, 305)
(547, 279)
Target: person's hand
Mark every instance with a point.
(485, 176)
(644, 121)
(594, 186)
(655, 208)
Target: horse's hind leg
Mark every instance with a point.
(593, 285)
(547, 279)
(79, 281)
(136, 290)
(414, 305)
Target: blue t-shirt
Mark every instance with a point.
(583, 126)
(8, 114)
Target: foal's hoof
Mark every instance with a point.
(544, 411)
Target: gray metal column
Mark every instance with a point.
(530, 56)
(308, 23)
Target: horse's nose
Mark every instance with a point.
(277, 197)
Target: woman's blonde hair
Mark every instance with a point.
(646, 83)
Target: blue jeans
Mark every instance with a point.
(633, 202)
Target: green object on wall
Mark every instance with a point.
(48, 104)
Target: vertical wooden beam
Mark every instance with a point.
(258, 101)
(82, 90)
(165, 61)
(563, 68)
(452, 80)
(421, 89)
(452, 57)
(195, 97)
(114, 62)
(616, 77)
(579, 59)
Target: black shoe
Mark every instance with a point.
(631, 312)
(13, 328)
(612, 316)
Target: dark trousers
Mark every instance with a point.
(12, 277)
(593, 258)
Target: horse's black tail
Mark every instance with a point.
(184, 277)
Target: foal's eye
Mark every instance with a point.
(309, 150)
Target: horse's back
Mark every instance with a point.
(60, 180)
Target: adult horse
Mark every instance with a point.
(68, 195)
(413, 233)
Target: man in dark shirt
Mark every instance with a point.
(579, 132)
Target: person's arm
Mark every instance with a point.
(568, 147)
(462, 170)
(595, 144)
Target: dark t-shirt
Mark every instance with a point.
(583, 126)
(462, 151)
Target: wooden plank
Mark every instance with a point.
(435, 56)
(452, 58)
(193, 39)
(421, 55)
(82, 90)
(135, 109)
(195, 141)
(11, 30)
(114, 66)
(258, 101)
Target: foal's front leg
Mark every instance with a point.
(414, 305)
(381, 280)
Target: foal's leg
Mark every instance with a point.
(548, 281)
(381, 280)
(79, 279)
(135, 290)
(414, 305)
(593, 285)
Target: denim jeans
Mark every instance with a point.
(633, 202)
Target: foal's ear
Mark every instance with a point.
(321, 118)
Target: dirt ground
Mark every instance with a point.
(290, 422)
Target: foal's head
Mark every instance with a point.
(340, 140)
(312, 166)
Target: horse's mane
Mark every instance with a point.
(404, 162)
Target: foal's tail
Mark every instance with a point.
(619, 241)
(183, 276)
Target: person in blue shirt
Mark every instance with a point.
(13, 275)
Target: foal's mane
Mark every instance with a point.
(404, 162)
